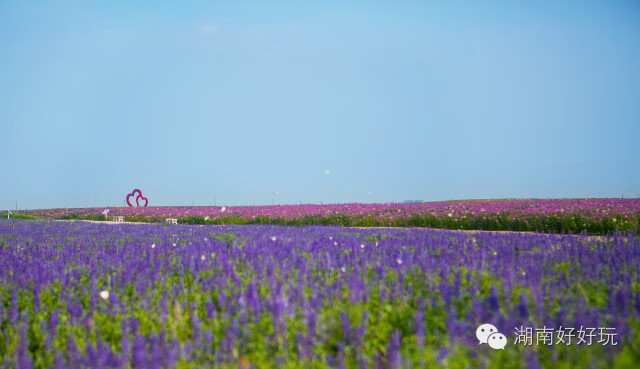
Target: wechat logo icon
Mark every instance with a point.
(488, 333)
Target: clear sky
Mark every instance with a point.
(332, 101)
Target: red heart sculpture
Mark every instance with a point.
(146, 201)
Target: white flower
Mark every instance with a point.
(206, 218)
(223, 209)
(399, 261)
(335, 243)
(104, 294)
(273, 238)
(174, 244)
(153, 245)
(330, 238)
(202, 258)
(205, 239)
(362, 245)
(344, 270)
(449, 215)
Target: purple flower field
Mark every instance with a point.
(85, 295)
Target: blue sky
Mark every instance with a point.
(233, 101)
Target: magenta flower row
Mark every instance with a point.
(592, 209)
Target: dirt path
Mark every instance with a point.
(100, 221)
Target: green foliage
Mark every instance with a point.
(569, 223)
(23, 216)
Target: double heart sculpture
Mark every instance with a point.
(138, 198)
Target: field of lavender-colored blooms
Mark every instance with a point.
(263, 296)
(593, 216)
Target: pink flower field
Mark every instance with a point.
(572, 215)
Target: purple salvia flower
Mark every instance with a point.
(23, 359)
(346, 326)
(156, 357)
(393, 350)
(58, 362)
(139, 353)
(523, 309)
(419, 319)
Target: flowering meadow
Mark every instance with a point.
(91, 295)
(594, 216)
